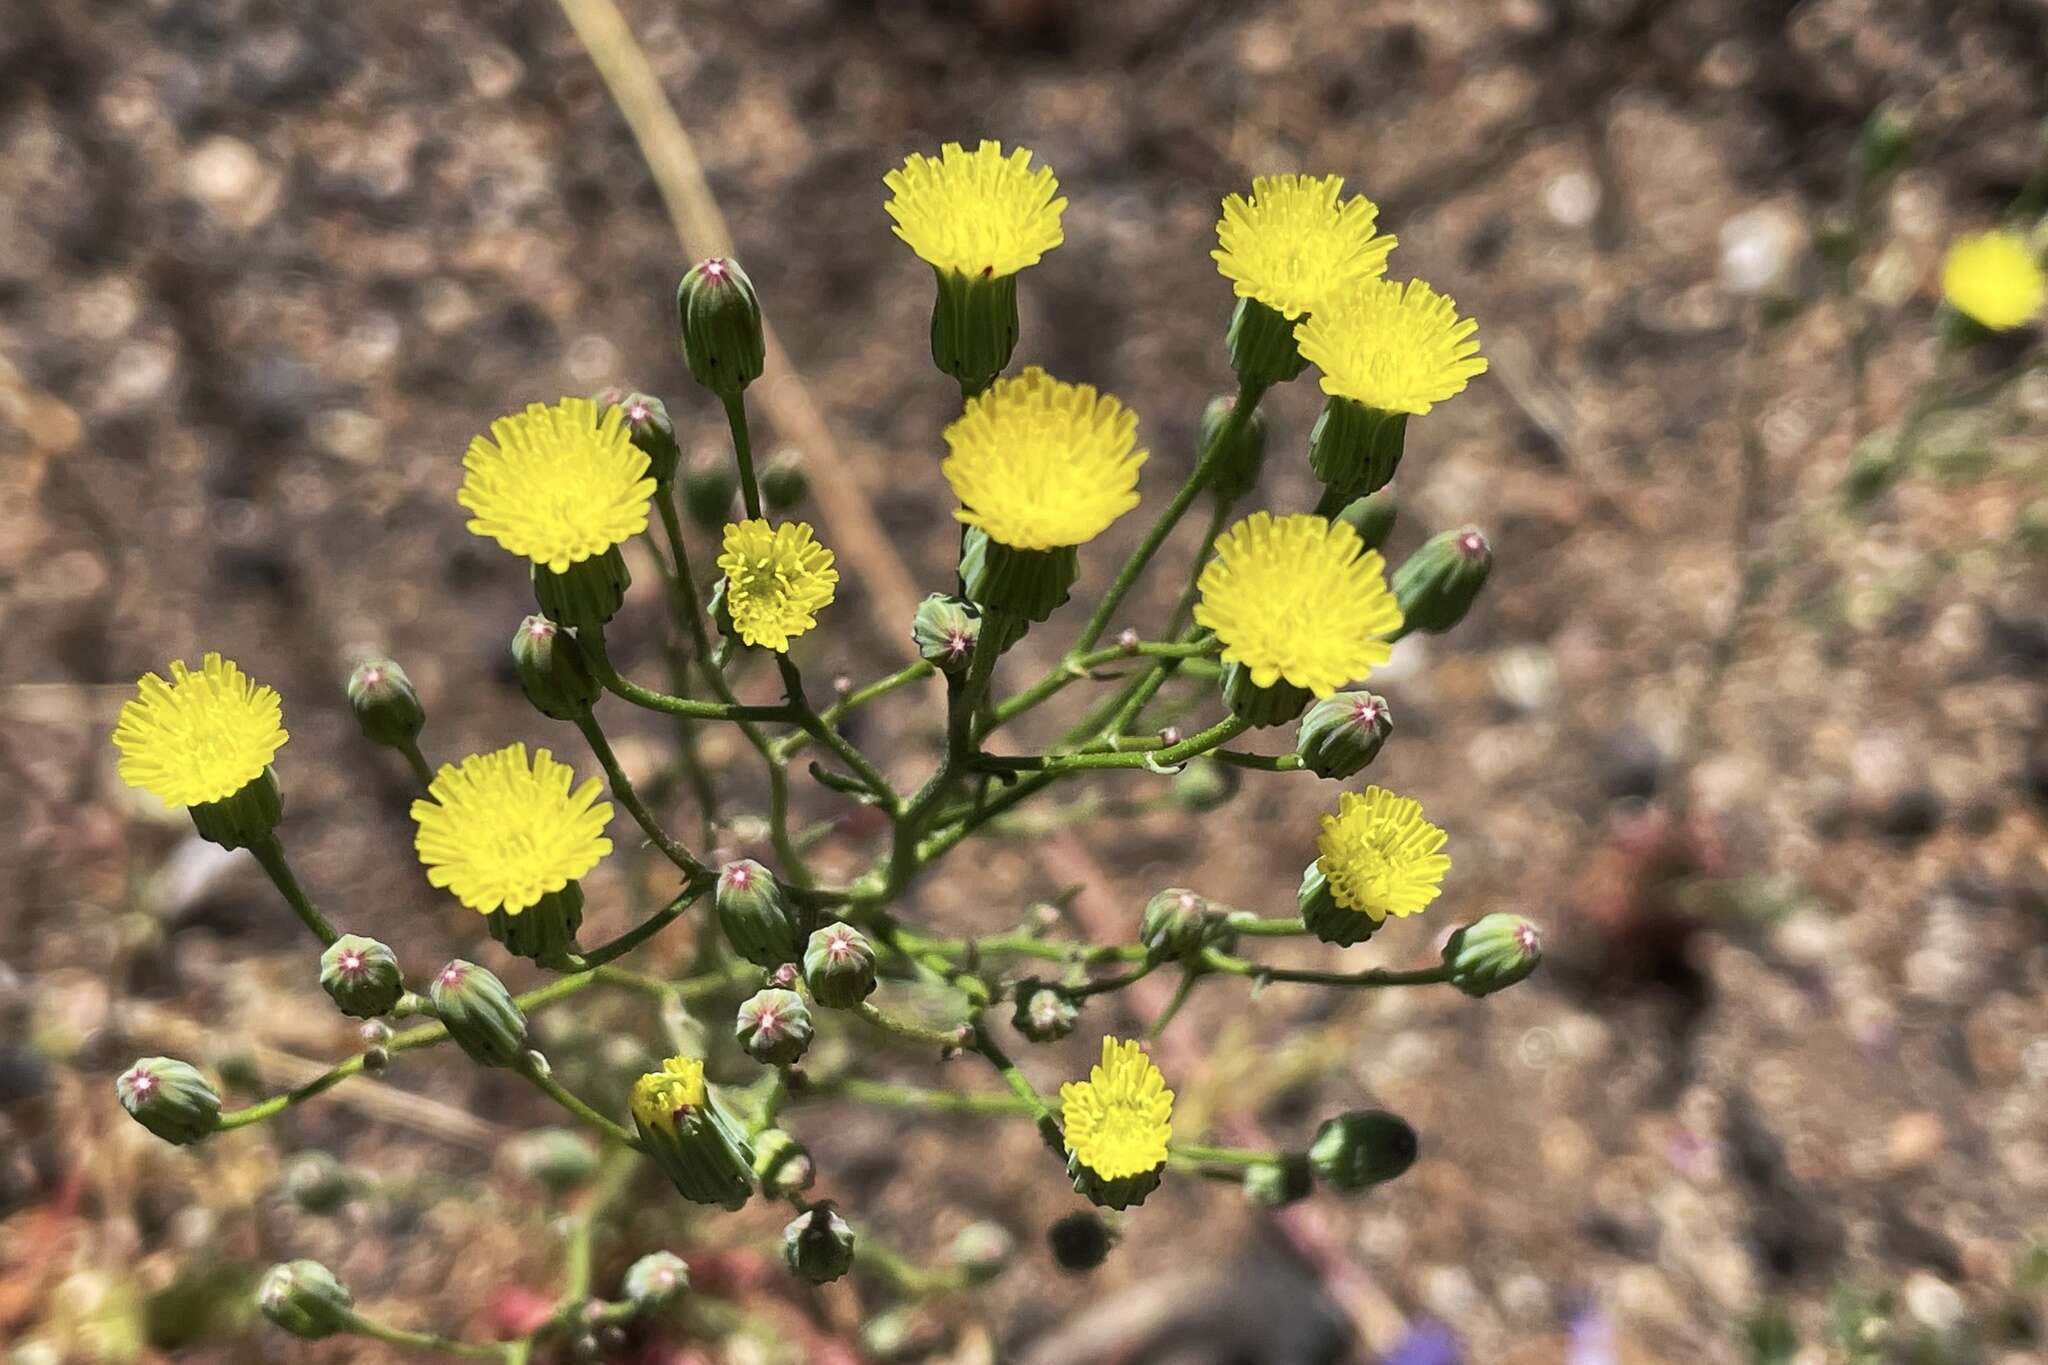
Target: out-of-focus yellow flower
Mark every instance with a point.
(1379, 856)
(559, 485)
(1298, 598)
(1040, 464)
(1119, 1120)
(980, 213)
(1394, 347)
(201, 737)
(1294, 246)
(500, 833)
(777, 580)
(1994, 279)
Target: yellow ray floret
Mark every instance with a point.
(659, 1095)
(976, 213)
(1293, 246)
(1994, 279)
(500, 834)
(557, 484)
(1379, 856)
(1395, 347)
(777, 580)
(1119, 1120)
(199, 737)
(1039, 464)
(1298, 599)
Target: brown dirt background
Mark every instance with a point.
(265, 267)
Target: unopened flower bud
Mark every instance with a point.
(783, 481)
(319, 1184)
(1045, 1012)
(1437, 584)
(774, 1026)
(479, 1014)
(1203, 785)
(945, 631)
(982, 1250)
(1237, 466)
(170, 1098)
(1492, 953)
(839, 966)
(305, 1299)
(1276, 1184)
(818, 1245)
(554, 1158)
(648, 426)
(656, 1281)
(1372, 517)
(688, 1135)
(782, 1164)
(385, 703)
(1360, 1149)
(1080, 1242)
(376, 1058)
(1179, 923)
(1343, 733)
(708, 490)
(361, 976)
(553, 672)
(721, 322)
(755, 914)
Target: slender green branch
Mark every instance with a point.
(912, 1031)
(544, 1081)
(1374, 977)
(622, 788)
(270, 853)
(1161, 760)
(650, 700)
(743, 451)
(1077, 666)
(428, 1341)
(422, 771)
(892, 1096)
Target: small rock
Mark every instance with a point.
(1914, 1141)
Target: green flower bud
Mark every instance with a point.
(319, 1184)
(945, 630)
(1437, 584)
(982, 1250)
(708, 491)
(1327, 920)
(1277, 1184)
(170, 1098)
(1238, 467)
(756, 915)
(1045, 1012)
(1355, 449)
(1372, 517)
(1343, 733)
(839, 967)
(1881, 145)
(1262, 706)
(656, 1281)
(1179, 923)
(1363, 1148)
(385, 703)
(243, 819)
(721, 322)
(305, 1299)
(774, 1026)
(479, 1013)
(552, 669)
(556, 1159)
(974, 327)
(688, 1135)
(1080, 1242)
(782, 1164)
(1204, 785)
(588, 594)
(1262, 348)
(1031, 584)
(1492, 953)
(361, 976)
(818, 1244)
(543, 931)
(648, 427)
(783, 481)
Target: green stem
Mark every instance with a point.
(914, 1032)
(891, 1096)
(270, 853)
(421, 770)
(743, 450)
(1158, 760)
(1226, 1156)
(554, 1090)
(622, 788)
(428, 1341)
(648, 699)
(1374, 978)
(1078, 666)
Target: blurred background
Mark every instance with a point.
(1781, 1091)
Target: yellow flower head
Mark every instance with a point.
(777, 580)
(1298, 598)
(1118, 1121)
(501, 834)
(659, 1095)
(1039, 464)
(976, 213)
(1379, 856)
(199, 737)
(1994, 279)
(1395, 347)
(561, 484)
(1294, 247)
